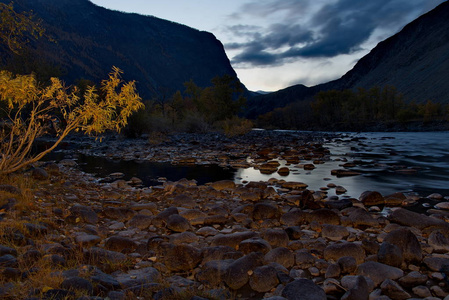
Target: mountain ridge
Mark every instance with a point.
(415, 60)
(160, 55)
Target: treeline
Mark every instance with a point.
(354, 110)
(195, 109)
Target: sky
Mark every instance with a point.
(274, 44)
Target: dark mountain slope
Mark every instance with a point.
(415, 61)
(160, 55)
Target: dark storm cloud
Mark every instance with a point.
(339, 27)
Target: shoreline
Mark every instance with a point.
(219, 240)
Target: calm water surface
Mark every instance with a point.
(380, 156)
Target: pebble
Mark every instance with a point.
(272, 240)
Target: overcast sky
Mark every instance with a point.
(273, 44)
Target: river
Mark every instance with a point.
(388, 162)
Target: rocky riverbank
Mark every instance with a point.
(67, 236)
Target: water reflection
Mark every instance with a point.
(389, 162)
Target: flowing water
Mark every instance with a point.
(388, 162)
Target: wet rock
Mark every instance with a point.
(407, 242)
(282, 256)
(263, 279)
(336, 251)
(334, 232)
(439, 242)
(276, 237)
(181, 258)
(177, 223)
(393, 290)
(344, 173)
(390, 254)
(378, 272)
(303, 289)
(284, 171)
(254, 244)
(408, 218)
(370, 198)
(232, 240)
(238, 271)
(120, 244)
(223, 185)
(294, 185)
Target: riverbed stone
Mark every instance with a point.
(140, 221)
(390, 254)
(293, 218)
(263, 279)
(324, 216)
(181, 258)
(393, 290)
(412, 279)
(276, 237)
(334, 232)
(407, 241)
(254, 244)
(303, 289)
(214, 272)
(120, 244)
(336, 251)
(359, 289)
(232, 240)
(264, 211)
(370, 198)
(439, 242)
(378, 272)
(238, 271)
(282, 256)
(412, 219)
(178, 223)
(84, 213)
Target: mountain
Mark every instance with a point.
(160, 55)
(415, 61)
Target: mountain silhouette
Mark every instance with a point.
(415, 61)
(160, 55)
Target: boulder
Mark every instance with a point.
(336, 251)
(303, 289)
(238, 271)
(407, 242)
(263, 279)
(378, 272)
